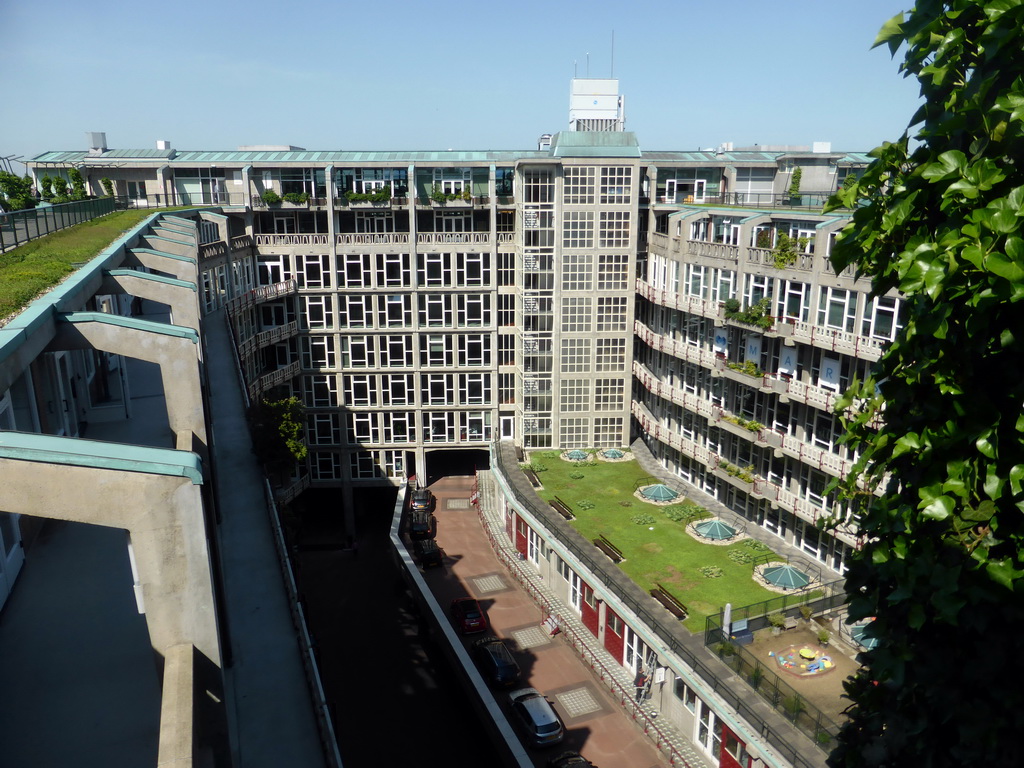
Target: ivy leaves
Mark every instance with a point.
(938, 428)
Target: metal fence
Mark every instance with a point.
(699, 661)
(19, 227)
(778, 694)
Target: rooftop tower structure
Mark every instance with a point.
(595, 105)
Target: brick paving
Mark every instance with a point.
(599, 721)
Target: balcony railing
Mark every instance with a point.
(444, 238)
(292, 239)
(373, 238)
(261, 294)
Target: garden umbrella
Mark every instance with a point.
(577, 455)
(858, 634)
(659, 492)
(612, 453)
(786, 576)
(715, 529)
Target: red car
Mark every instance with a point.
(469, 617)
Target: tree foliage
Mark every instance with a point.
(278, 434)
(941, 568)
(16, 192)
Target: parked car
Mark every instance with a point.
(428, 553)
(536, 717)
(468, 615)
(570, 760)
(422, 525)
(422, 499)
(496, 662)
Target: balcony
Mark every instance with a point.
(445, 238)
(714, 250)
(373, 238)
(278, 241)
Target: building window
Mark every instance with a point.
(794, 302)
(608, 432)
(397, 389)
(438, 389)
(575, 395)
(575, 356)
(611, 355)
(395, 311)
(324, 429)
(686, 694)
(577, 314)
(395, 351)
(393, 270)
(362, 428)
(357, 352)
(574, 433)
(615, 185)
(709, 731)
(437, 350)
(614, 229)
(475, 388)
(325, 465)
(578, 229)
(577, 272)
(614, 624)
(354, 270)
(318, 352)
(757, 287)
(472, 269)
(361, 390)
(881, 318)
(318, 311)
(612, 272)
(538, 186)
(436, 309)
(611, 313)
(313, 271)
(723, 284)
(363, 466)
(837, 308)
(696, 280)
(609, 395)
(578, 185)
(320, 391)
(355, 311)
(399, 427)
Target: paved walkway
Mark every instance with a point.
(77, 673)
(597, 725)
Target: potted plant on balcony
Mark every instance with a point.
(794, 186)
(270, 197)
(295, 198)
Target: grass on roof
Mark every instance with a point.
(30, 270)
(658, 550)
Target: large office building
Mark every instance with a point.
(426, 307)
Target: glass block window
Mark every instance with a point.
(612, 272)
(615, 185)
(611, 355)
(578, 185)
(574, 395)
(609, 395)
(578, 229)
(575, 355)
(611, 313)
(574, 433)
(577, 272)
(614, 229)
(577, 314)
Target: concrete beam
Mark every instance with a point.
(181, 295)
(180, 267)
(173, 348)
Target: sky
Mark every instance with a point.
(411, 74)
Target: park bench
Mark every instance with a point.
(609, 549)
(532, 477)
(670, 603)
(562, 508)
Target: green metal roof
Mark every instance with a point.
(595, 144)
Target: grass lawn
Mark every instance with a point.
(658, 551)
(31, 269)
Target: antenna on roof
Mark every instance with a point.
(612, 73)
(588, 63)
(574, 68)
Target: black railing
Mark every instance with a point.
(19, 227)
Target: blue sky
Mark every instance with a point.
(424, 75)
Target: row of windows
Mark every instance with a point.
(362, 465)
(578, 187)
(837, 308)
(397, 427)
(361, 310)
(578, 273)
(382, 270)
(592, 395)
(395, 351)
(577, 355)
(392, 389)
(579, 316)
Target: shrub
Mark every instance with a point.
(270, 197)
(776, 619)
(295, 197)
(585, 504)
(108, 186)
(675, 514)
(643, 519)
(576, 475)
(536, 467)
(710, 571)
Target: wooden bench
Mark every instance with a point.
(670, 603)
(609, 549)
(532, 477)
(520, 456)
(562, 508)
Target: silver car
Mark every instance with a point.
(536, 717)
